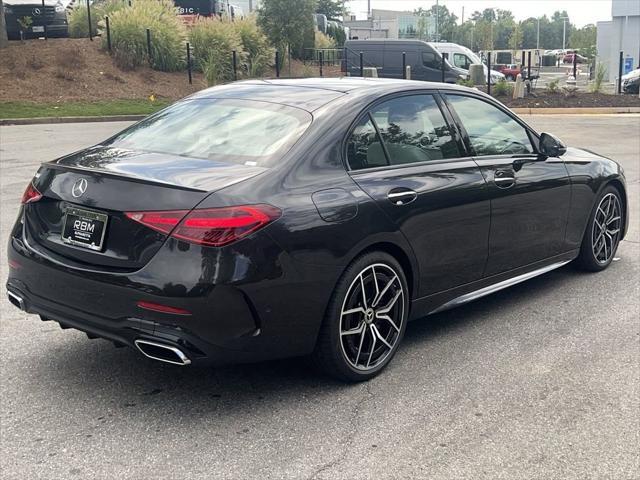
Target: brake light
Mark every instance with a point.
(212, 227)
(31, 194)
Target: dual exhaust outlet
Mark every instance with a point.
(154, 350)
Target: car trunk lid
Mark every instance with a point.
(102, 184)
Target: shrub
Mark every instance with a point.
(324, 41)
(259, 54)
(213, 42)
(466, 82)
(79, 23)
(502, 88)
(601, 72)
(552, 86)
(129, 36)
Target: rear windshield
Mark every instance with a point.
(225, 130)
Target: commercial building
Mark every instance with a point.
(391, 24)
(620, 34)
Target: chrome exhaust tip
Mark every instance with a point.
(161, 352)
(16, 300)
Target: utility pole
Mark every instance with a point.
(437, 21)
(538, 36)
(564, 31)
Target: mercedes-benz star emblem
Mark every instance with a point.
(36, 11)
(79, 188)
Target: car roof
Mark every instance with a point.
(312, 93)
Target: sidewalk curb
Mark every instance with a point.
(575, 111)
(133, 118)
(44, 120)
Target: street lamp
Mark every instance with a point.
(538, 36)
(564, 31)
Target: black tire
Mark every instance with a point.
(587, 258)
(330, 354)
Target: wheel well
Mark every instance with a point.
(399, 254)
(617, 184)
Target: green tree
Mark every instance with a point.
(584, 39)
(515, 41)
(288, 23)
(447, 21)
(332, 9)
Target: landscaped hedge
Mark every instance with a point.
(129, 36)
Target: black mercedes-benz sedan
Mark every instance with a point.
(280, 218)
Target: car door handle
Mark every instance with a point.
(401, 196)
(504, 178)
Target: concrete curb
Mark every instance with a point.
(134, 118)
(43, 120)
(576, 110)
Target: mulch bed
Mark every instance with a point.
(69, 69)
(581, 99)
(76, 69)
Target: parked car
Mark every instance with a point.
(386, 55)
(631, 81)
(299, 217)
(461, 57)
(510, 71)
(53, 15)
(568, 58)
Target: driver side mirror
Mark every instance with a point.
(551, 146)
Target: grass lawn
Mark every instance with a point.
(80, 109)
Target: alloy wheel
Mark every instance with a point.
(371, 317)
(605, 234)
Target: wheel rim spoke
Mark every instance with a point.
(354, 331)
(384, 291)
(388, 319)
(390, 305)
(364, 291)
(354, 310)
(379, 336)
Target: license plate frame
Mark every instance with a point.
(75, 233)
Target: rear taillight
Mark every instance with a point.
(31, 194)
(213, 227)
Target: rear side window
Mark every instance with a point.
(412, 128)
(364, 149)
(230, 130)
(491, 131)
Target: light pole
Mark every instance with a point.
(538, 36)
(564, 31)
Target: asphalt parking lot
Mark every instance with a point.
(538, 381)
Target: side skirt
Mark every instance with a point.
(455, 297)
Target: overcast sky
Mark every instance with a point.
(580, 12)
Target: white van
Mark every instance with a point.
(462, 57)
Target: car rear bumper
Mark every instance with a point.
(248, 316)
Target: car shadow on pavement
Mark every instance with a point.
(122, 379)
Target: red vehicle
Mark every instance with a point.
(509, 71)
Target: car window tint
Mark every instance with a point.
(414, 130)
(490, 130)
(226, 130)
(364, 149)
(430, 60)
